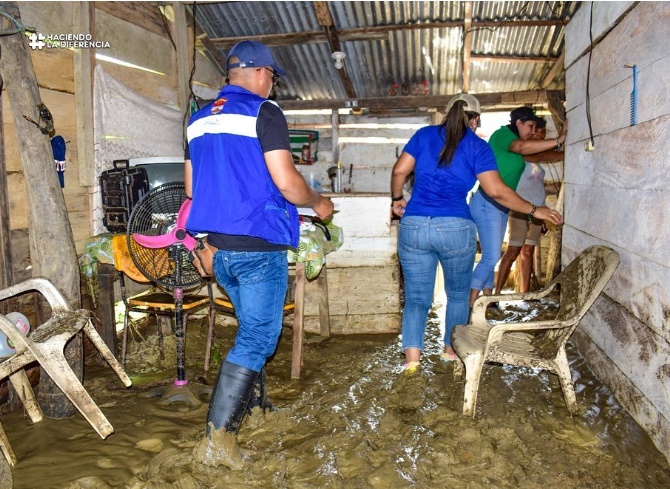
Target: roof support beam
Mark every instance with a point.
(326, 21)
(467, 46)
(372, 33)
(488, 100)
(512, 59)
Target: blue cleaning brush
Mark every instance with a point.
(633, 96)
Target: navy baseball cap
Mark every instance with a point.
(253, 54)
(524, 114)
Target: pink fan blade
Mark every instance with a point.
(189, 242)
(182, 215)
(155, 241)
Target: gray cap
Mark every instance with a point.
(471, 103)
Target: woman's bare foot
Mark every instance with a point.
(448, 354)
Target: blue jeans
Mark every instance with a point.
(422, 242)
(491, 220)
(256, 284)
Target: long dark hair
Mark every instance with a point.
(455, 125)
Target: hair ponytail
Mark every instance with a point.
(455, 125)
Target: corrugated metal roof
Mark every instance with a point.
(404, 56)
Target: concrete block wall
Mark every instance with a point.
(619, 195)
(366, 143)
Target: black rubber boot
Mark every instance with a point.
(259, 396)
(227, 408)
(230, 397)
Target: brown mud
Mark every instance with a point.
(350, 422)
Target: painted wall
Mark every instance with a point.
(619, 195)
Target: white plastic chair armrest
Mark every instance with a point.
(479, 307)
(498, 330)
(44, 287)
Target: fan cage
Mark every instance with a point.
(155, 215)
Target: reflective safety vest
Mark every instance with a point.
(233, 192)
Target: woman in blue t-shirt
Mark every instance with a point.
(436, 224)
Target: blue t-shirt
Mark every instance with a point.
(442, 191)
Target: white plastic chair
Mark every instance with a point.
(45, 345)
(535, 344)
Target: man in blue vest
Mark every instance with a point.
(239, 171)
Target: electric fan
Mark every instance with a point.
(159, 246)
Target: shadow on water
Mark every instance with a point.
(351, 421)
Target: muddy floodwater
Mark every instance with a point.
(350, 422)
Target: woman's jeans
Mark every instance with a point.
(491, 220)
(256, 284)
(422, 242)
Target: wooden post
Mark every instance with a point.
(6, 265)
(335, 138)
(107, 275)
(324, 306)
(467, 46)
(554, 254)
(180, 31)
(84, 65)
(298, 319)
(52, 250)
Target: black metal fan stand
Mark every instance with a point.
(179, 391)
(178, 294)
(151, 233)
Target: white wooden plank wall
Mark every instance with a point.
(619, 195)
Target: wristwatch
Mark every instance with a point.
(396, 199)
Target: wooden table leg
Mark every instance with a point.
(324, 308)
(107, 275)
(298, 319)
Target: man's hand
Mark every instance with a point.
(324, 207)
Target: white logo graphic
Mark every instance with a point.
(65, 41)
(37, 41)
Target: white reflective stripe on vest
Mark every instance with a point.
(236, 124)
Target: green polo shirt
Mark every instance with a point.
(510, 165)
